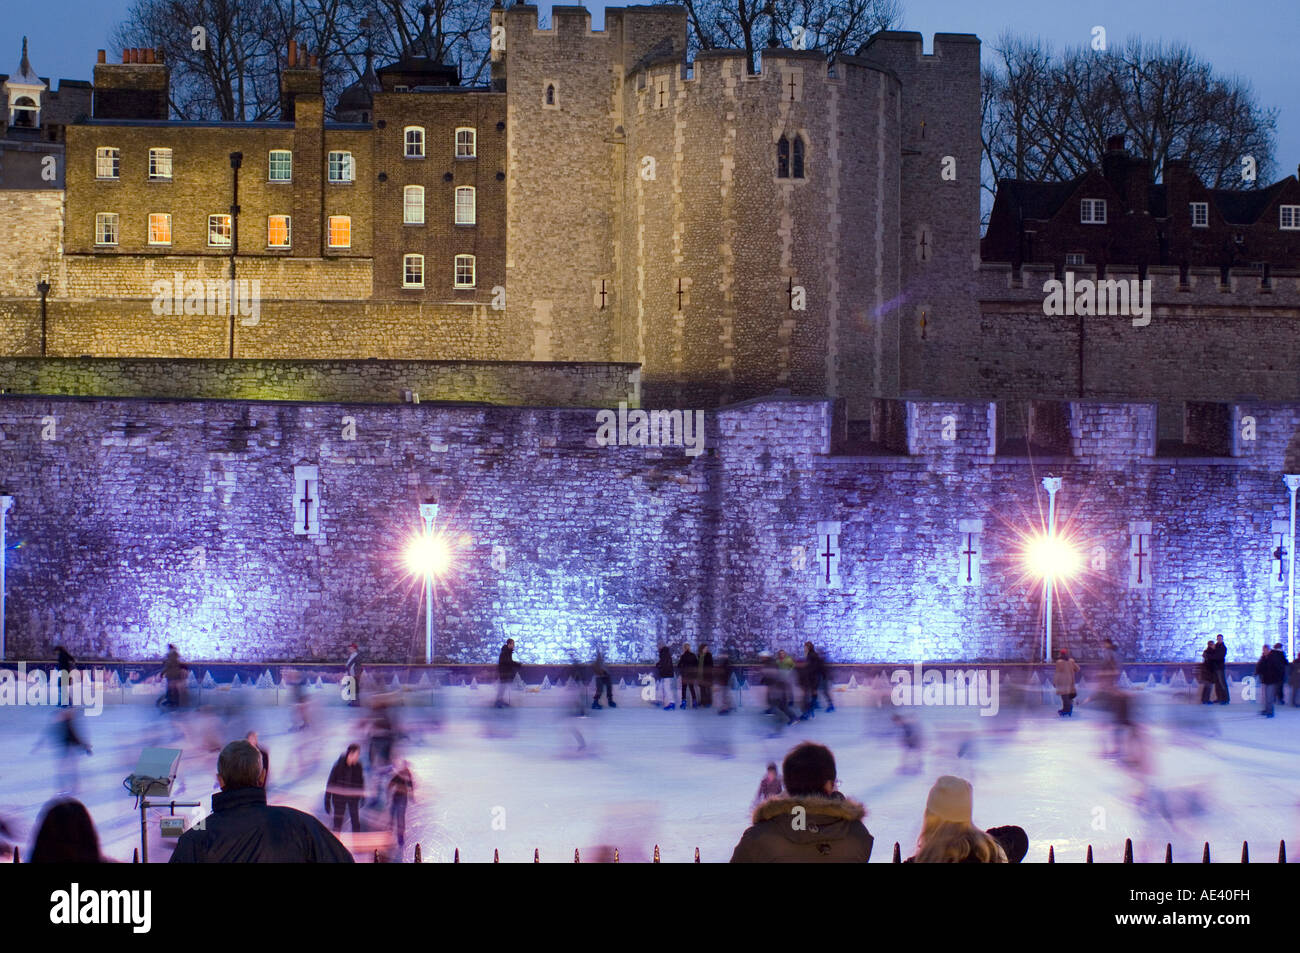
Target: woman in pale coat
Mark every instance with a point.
(1066, 669)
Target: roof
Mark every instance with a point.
(25, 75)
(1240, 207)
(1037, 200)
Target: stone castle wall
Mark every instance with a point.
(143, 522)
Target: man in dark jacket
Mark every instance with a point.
(507, 668)
(243, 828)
(813, 824)
(664, 677)
(1221, 671)
(688, 671)
(706, 676)
(814, 681)
(345, 788)
(1271, 669)
(1207, 674)
(603, 680)
(1286, 666)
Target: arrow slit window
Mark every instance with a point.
(1139, 554)
(306, 501)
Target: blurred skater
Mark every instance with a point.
(602, 680)
(688, 671)
(770, 786)
(401, 791)
(507, 669)
(174, 672)
(251, 738)
(813, 677)
(705, 678)
(724, 670)
(63, 662)
(778, 692)
(1221, 695)
(1206, 672)
(1066, 671)
(1271, 669)
(909, 739)
(66, 736)
(379, 751)
(345, 789)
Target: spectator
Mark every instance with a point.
(1294, 676)
(65, 834)
(1281, 685)
(345, 788)
(243, 828)
(813, 823)
(948, 835)
(1271, 669)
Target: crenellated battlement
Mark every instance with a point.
(1170, 287)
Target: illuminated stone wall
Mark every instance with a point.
(141, 522)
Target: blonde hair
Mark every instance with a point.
(955, 842)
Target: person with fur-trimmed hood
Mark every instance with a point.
(813, 823)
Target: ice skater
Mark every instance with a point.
(602, 680)
(1206, 673)
(174, 672)
(345, 789)
(1221, 694)
(507, 669)
(63, 662)
(769, 786)
(1066, 670)
(688, 670)
(909, 740)
(814, 681)
(64, 733)
(1271, 669)
(401, 791)
(778, 693)
(664, 678)
(706, 676)
(724, 670)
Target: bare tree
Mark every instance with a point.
(1047, 116)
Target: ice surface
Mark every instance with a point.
(515, 779)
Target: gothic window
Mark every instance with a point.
(783, 158)
(549, 98)
(796, 161)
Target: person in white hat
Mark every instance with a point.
(948, 835)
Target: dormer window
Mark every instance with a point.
(1092, 212)
(1200, 214)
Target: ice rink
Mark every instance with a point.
(521, 779)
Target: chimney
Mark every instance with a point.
(293, 54)
(100, 57)
(137, 88)
(301, 77)
(1113, 162)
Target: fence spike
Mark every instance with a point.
(496, 856)
(656, 860)
(537, 856)
(417, 853)
(898, 855)
(576, 860)
(616, 855)
(697, 855)
(1169, 853)
(1205, 855)
(1281, 852)
(135, 855)
(1128, 850)
(16, 852)
(1245, 852)
(456, 857)
(1051, 854)
(1088, 859)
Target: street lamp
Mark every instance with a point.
(1051, 557)
(236, 160)
(1292, 481)
(5, 503)
(43, 289)
(428, 556)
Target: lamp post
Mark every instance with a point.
(429, 512)
(5, 503)
(1051, 485)
(1292, 481)
(43, 289)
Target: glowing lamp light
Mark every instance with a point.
(428, 556)
(1052, 557)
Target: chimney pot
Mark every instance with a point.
(293, 52)
(101, 57)
(148, 55)
(313, 61)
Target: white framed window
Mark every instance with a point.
(464, 268)
(413, 271)
(1075, 258)
(279, 165)
(340, 167)
(465, 205)
(219, 231)
(414, 138)
(413, 205)
(1289, 217)
(160, 228)
(340, 231)
(1092, 212)
(107, 162)
(160, 164)
(1200, 213)
(466, 143)
(278, 231)
(106, 228)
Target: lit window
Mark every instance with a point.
(465, 205)
(160, 228)
(413, 271)
(796, 162)
(1200, 214)
(414, 142)
(219, 231)
(464, 271)
(466, 143)
(107, 160)
(160, 163)
(106, 228)
(1290, 217)
(340, 231)
(783, 158)
(1092, 212)
(280, 165)
(277, 231)
(340, 167)
(413, 205)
